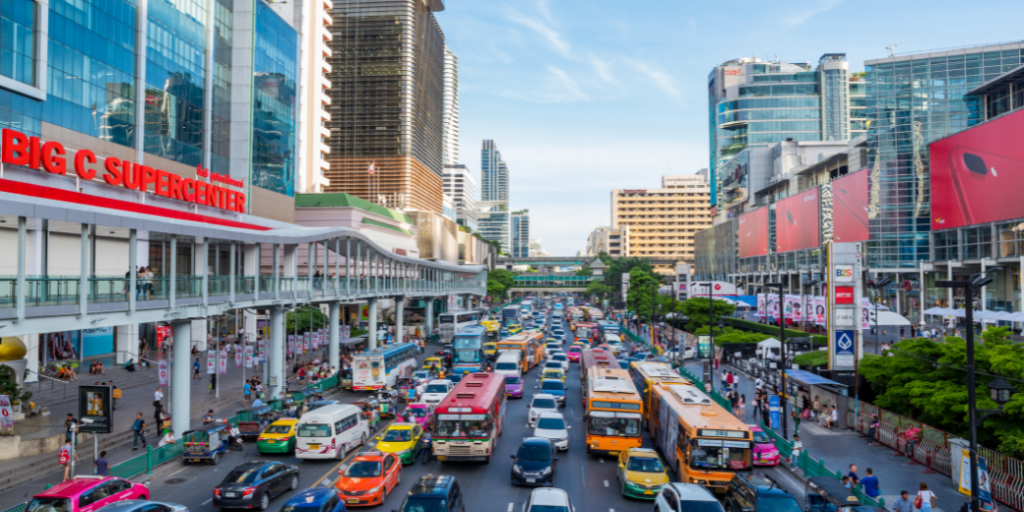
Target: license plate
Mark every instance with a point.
(314, 447)
(442, 458)
(230, 495)
(353, 500)
(531, 480)
(271, 442)
(648, 492)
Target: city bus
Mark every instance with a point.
(585, 331)
(468, 421)
(593, 314)
(529, 345)
(646, 374)
(590, 358)
(509, 315)
(383, 367)
(450, 323)
(700, 440)
(468, 349)
(614, 411)
(606, 327)
(575, 315)
(526, 309)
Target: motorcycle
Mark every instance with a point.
(425, 449)
(235, 440)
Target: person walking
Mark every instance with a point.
(69, 450)
(873, 429)
(102, 465)
(71, 425)
(925, 498)
(903, 503)
(138, 431)
(195, 370)
(743, 406)
(246, 394)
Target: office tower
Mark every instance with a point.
(493, 173)
(758, 103)
(461, 186)
(493, 220)
(387, 102)
(660, 223)
(521, 234)
(450, 122)
(536, 249)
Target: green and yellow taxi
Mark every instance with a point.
(401, 439)
(432, 361)
(515, 329)
(641, 473)
(490, 349)
(278, 437)
(554, 375)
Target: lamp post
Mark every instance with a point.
(782, 343)
(879, 284)
(970, 285)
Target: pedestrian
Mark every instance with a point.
(796, 419)
(167, 439)
(903, 503)
(158, 396)
(246, 394)
(846, 482)
(743, 406)
(798, 447)
(70, 451)
(102, 465)
(195, 370)
(71, 425)
(158, 413)
(208, 418)
(925, 498)
(873, 429)
(138, 431)
(114, 393)
(257, 402)
(870, 484)
(765, 416)
(853, 475)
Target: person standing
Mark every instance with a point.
(870, 484)
(71, 425)
(246, 394)
(114, 391)
(167, 439)
(903, 503)
(102, 465)
(195, 370)
(69, 450)
(853, 475)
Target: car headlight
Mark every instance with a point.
(701, 482)
(374, 490)
(405, 451)
(516, 469)
(546, 470)
(440, 451)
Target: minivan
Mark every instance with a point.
(330, 432)
(509, 363)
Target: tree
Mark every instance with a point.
(309, 319)
(697, 309)
(586, 271)
(617, 267)
(499, 282)
(642, 290)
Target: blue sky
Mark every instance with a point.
(583, 96)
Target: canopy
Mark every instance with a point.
(886, 318)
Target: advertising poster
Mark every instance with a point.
(211, 362)
(796, 222)
(976, 174)
(238, 358)
(772, 305)
(760, 304)
(346, 331)
(6, 415)
(305, 341)
(162, 371)
(808, 308)
(794, 311)
(248, 356)
(819, 310)
(850, 207)
(94, 409)
(222, 368)
(291, 344)
(865, 313)
(753, 233)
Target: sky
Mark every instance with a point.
(586, 96)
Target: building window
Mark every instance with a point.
(17, 40)
(977, 243)
(1011, 240)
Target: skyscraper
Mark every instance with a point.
(387, 102)
(521, 234)
(450, 122)
(492, 217)
(493, 173)
(461, 186)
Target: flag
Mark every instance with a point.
(370, 169)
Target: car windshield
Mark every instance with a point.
(705, 455)
(548, 508)
(515, 381)
(787, 504)
(363, 469)
(397, 436)
(551, 424)
(552, 385)
(559, 357)
(701, 506)
(314, 430)
(278, 429)
(644, 464)
(533, 453)
(617, 427)
(575, 349)
(437, 388)
(506, 366)
(48, 505)
(543, 403)
(421, 375)
(421, 504)
(242, 475)
(761, 437)
(553, 364)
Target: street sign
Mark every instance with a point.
(774, 411)
(845, 317)
(843, 274)
(704, 346)
(162, 371)
(844, 349)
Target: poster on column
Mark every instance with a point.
(162, 371)
(211, 361)
(223, 367)
(772, 304)
(291, 344)
(865, 313)
(819, 310)
(305, 342)
(238, 358)
(760, 305)
(346, 332)
(808, 308)
(248, 356)
(793, 312)
(261, 355)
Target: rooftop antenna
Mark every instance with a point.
(892, 48)
(776, 57)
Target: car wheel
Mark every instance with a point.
(383, 495)
(295, 483)
(264, 502)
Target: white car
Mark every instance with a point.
(551, 425)
(680, 496)
(561, 357)
(547, 499)
(551, 364)
(436, 390)
(541, 403)
(552, 347)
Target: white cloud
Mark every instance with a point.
(658, 77)
(799, 17)
(556, 86)
(553, 37)
(603, 68)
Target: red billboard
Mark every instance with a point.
(796, 222)
(753, 233)
(977, 174)
(850, 207)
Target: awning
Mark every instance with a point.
(886, 318)
(807, 378)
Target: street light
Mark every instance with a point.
(974, 283)
(879, 284)
(782, 342)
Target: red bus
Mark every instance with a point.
(467, 423)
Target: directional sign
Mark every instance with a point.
(704, 346)
(774, 411)
(844, 349)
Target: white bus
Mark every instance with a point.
(450, 323)
(382, 367)
(330, 432)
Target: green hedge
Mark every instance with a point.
(765, 328)
(815, 358)
(818, 339)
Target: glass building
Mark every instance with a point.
(521, 234)
(493, 173)
(494, 223)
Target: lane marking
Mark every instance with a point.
(511, 506)
(207, 501)
(600, 460)
(350, 456)
(606, 483)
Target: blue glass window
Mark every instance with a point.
(275, 91)
(17, 40)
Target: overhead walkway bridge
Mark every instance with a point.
(533, 282)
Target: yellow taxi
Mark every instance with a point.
(515, 329)
(401, 439)
(641, 473)
(432, 361)
(580, 344)
(278, 437)
(554, 375)
(490, 349)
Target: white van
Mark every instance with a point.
(331, 432)
(509, 363)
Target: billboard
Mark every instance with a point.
(796, 222)
(850, 207)
(95, 409)
(976, 175)
(753, 233)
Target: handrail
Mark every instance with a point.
(52, 380)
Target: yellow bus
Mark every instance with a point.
(614, 411)
(491, 338)
(646, 374)
(529, 345)
(700, 440)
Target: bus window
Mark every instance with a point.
(711, 454)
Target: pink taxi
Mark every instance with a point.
(86, 494)
(422, 414)
(765, 452)
(574, 353)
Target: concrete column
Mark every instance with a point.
(399, 319)
(31, 342)
(83, 274)
(949, 277)
(371, 326)
(982, 297)
(133, 249)
(181, 330)
(333, 353)
(430, 316)
(127, 343)
(276, 357)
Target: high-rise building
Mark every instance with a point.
(604, 239)
(213, 85)
(450, 121)
(493, 220)
(536, 249)
(387, 102)
(660, 223)
(521, 234)
(494, 178)
(461, 186)
(757, 103)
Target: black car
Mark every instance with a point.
(534, 462)
(755, 492)
(254, 483)
(434, 494)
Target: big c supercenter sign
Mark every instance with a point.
(21, 149)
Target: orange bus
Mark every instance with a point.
(700, 440)
(467, 423)
(614, 411)
(595, 358)
(647, 374)
(585, 331)
(529, 345)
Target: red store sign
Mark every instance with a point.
(844, 295)
(20, 149)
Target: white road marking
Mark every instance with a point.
(606, 483)
(207, 501)
(611, 510)
(600, 461)
(511, 506)
(178, 471)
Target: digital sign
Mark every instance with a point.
(796, 222)
(850, 207)
(753, 233)
(95, 409)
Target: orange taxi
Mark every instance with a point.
(369, 478)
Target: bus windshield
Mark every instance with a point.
(461, 425)
(601, 425)
(710, 454)
(467, 342)
(467, 355)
